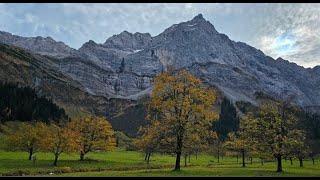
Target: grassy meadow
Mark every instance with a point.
(131, 163)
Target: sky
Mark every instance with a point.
(290, 31)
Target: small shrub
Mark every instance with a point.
(83, 170)
(60, 170)
(131, 147)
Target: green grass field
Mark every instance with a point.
(130, 163)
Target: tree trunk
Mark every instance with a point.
(218, 157)
(30, 153)
(301, 162)
(177, 167)
(197, 155)
(189, 157)
(148, 160)
(179, 149)
(243, 159)
(312, 161)
(185, 160)
(237, 158)
(251, 160)
(145, 158)
(291, 161)
(279, 168)
(55, 160)
(117, 142)
(261, 161)
(81, 156)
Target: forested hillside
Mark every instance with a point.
(23, 104)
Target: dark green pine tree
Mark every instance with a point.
(311, 124)
(228, 120)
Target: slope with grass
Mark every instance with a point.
(130, 163)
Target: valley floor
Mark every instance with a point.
(130, 163)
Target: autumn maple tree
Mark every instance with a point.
(216, 145)
(148, 142)
(183, 105)
(59, 139)
(26, 137)
(91, 134)
(276, 129)
(195, 141)
(241, 141)
(299, 148)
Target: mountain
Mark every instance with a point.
(44, 46)
(119, 72)
(43, 74)
(130, 61)
(129, 41)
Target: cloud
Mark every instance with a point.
(31, 18)
(302, 20)
(260, 25)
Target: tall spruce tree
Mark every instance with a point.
(228, 119)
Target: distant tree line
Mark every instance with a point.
(23, 104)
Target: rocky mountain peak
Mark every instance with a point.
(3, 33)
(47, 39)
(316, 70)
(125, 33)
(50, 39)
(91, 42)
(127, 40)
(316, 67)
(197, 26)
(142, 34)
(284, 61)
(199, 17)
(280, 59)
(88, 45)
